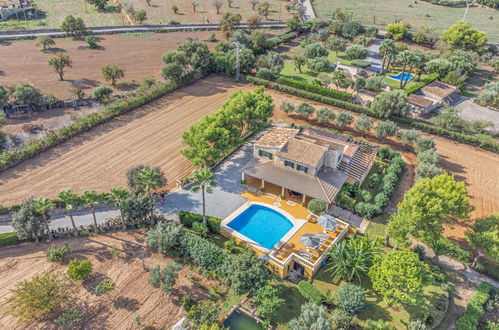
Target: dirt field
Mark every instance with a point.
(140, 55)
(152, 135)
(117, 310)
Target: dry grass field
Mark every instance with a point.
(132, 296)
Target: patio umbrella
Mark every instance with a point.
(310, 240)
(327, 221)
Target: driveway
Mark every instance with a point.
(374, 57)
(226, 197)
(471, 112)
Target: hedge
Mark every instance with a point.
(429, 128)
(308, 291)
(335, 94)
(8, 239)
(188, 218)
(475, 307)
(80, 125)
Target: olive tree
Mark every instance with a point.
(113, 73)
(28, 223)
(392, 102)
(385, 128)
(59, 63)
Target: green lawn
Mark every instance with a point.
(382, 12)
(395, 84)
(377, 308)
(308, 75)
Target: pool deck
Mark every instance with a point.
(291, 245)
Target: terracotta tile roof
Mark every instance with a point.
(302, 151)
(276, 137)
(439, 88)
(419, 100)
(325, 186)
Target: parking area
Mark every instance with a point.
(471, 112)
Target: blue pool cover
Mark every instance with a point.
(262, 225)
(406, 76)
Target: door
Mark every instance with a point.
(299, 268)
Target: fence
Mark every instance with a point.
(25, 110)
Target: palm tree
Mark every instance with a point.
(420, 62)
(404, 57)
(415, 61)
(70, 200)
(148, 179)
(203, 180)
(90, 199)
(352, 258)
(118, 196)
(386, 49)
(43, 206)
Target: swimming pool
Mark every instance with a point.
(241, 321)
(262, 225)
(406, 77)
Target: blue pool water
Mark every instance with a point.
(404, 79)
(262, 225)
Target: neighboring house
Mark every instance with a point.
(364, 97)
(443, 94)
(421, 105)
(353, 71)
(309, 163)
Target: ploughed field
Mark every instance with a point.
(122, 257)
(151, 135)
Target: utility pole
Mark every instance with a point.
(238, 60)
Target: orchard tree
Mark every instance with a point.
(427, 170)
(75, 27)
(254, 3)
(363, 124)
(44, 42)
(312, 316)
(59, 63)
(390, 102)
(305, 110)
(408, 136)
(325, 115)
(344, 118)
(165, 277)
(102, 94)
(218, 4)
(462, 35)
(175, 65)
(28, 223)
(194, 5)
(113, 73)
(385, 128)
(264, 9)
(336, 44)
(427, 206)
(399, 277)
(375, 83)
(27, 94)
(299, 61)
(484, 236)
(140, 16)
(100, 4)
(228, 22)
(313, 50)
(254, 22)
(423, 144)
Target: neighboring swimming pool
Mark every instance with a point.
(406, 77)
(262, 225)
(241, 321)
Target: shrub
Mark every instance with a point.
(102, 93)
(265, 73)
(58, 253)
(316, 206)
(200, 228)
(91, 42)
(314, 50)
(68, 317)
(450, 248)
(39, 296)
(397, 31)
(104, 286)
(475, 307)
(205, 312)
(488, 267)
(351, 298)
(287, 107)
(230, 245)
(319, 64)
(308, 291)
(375, 83)
(166, 277)
(360, 63)
(79, 270)
(186, 302)
(355, 52)
(420, 251)
(342, 319)
(8, 239)
(188, 218)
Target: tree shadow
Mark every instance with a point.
(128, 304)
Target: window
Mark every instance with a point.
(339, 157)
(263, 153)
(287, 163)
(302, 168)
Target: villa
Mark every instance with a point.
(289, 168)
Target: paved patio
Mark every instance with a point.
(224, 200)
